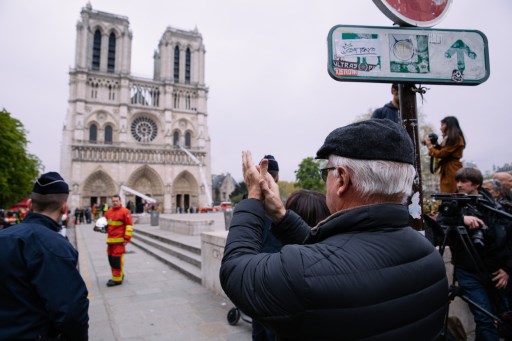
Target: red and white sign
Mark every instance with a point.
(421, 13)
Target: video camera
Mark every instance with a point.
(451, 210)
(452, 205)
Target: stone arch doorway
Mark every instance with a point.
(147, 181)
(98, 187)
(185, 193)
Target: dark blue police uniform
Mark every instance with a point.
(42, 294)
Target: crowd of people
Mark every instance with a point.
(43, 295)
(267, 265)
(482, 254)
(340, 265)
(483, 260)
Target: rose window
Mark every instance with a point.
(144, 129)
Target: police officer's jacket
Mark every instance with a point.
(41, 291)
(362, 274)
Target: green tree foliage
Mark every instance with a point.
(18, 169)
(237, 195)
(308, 175)
(286, 188)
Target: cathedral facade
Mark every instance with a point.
(150, 135)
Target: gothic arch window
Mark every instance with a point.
(111, 65)
(176, 139)
(96, 50)
(93, 133)
(176, 99)
(188, 138)
(108, 134)
(94, 90)
(187, 101)
(111, 92)
(176, 64)
(187, 66)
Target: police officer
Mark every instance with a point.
(42, 295)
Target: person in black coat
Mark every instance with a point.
(390, 110)
(42, 295)
(362, 273)
(482, 270)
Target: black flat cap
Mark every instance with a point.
(272, 163)
(50, 183)
(375, 139)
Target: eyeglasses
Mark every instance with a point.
(324, 172)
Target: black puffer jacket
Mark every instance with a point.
(361, 275)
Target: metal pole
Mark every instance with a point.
(409, 116)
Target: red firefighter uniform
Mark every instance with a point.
(119, 233)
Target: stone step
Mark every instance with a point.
(171, 257)
(182, 255)
(189, 243)
(174, 249)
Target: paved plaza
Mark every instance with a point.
(154, 302)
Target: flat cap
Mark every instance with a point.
(375, 139)
(50, 183)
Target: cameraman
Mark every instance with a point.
(450, 152)
(484, 278)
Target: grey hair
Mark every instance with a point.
(378, 178)
(496, 184)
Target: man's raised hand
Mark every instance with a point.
(251, 176)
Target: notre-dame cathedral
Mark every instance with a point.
(138, 132)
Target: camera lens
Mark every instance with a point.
(477, 237)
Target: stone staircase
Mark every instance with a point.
(180, 252)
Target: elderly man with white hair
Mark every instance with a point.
(362, 273)
(506, 181)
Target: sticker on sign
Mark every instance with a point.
(427, 56)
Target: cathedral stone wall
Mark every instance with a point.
(149, 134)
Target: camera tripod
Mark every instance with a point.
(461, 234)
(453, 232)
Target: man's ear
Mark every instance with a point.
(343, 180)
(29, 205)
(64, 208)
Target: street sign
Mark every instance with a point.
(416, 55)
(423, 13)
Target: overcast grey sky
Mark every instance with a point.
(266, 67)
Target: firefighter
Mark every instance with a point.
(119, 234)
